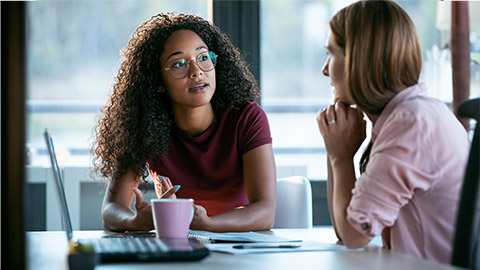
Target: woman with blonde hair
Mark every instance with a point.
(412, 169)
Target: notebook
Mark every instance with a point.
(124, 249)
(237, 237)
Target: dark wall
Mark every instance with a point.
(13, 133)
(240, 20)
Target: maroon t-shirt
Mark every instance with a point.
(209, 167)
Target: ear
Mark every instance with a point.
(161, 90)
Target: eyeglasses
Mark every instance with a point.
(178, 68)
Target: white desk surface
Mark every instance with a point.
(48, 250)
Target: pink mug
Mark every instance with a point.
(172, 217)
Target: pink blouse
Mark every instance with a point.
(410, 190)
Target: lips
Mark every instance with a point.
(200, 87)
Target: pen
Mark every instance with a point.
(267, 246)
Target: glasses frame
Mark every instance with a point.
(187, 63)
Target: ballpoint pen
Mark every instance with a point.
(266, 246)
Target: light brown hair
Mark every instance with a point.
(382, 52)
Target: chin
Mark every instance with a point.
(340, 100)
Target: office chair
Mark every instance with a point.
(466, 243)
(294, 203)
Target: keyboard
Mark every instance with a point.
(133, 249)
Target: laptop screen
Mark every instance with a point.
(67, 224)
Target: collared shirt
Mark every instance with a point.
(411, 187)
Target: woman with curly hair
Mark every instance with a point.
(184, 109)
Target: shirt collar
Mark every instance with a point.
(407, 93)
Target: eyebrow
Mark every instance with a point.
(180, 52)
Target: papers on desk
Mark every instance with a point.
(234, 237)
(254, 242)
(274, 247)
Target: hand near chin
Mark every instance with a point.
(200, 218)
(343, 130)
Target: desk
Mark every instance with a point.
(48, 250)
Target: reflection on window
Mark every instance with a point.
(73, 54)
(293, 35)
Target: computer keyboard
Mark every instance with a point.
(127, 245)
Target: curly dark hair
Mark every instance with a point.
(135, 124)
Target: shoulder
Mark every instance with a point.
(252, 108)
(413, 122)
(420, 110)
(421, 129)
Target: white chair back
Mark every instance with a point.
(294, 203)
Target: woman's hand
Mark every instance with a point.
(116, 212)
(343, 130)
(200, 219)
(142, 219)
(165, 189)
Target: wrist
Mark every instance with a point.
(340, 160)
(131, 223)
(208, 224)
(137, 224)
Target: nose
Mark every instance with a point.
(325, 67)
(193, 69)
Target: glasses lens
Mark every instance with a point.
(206, 61)
(178, 68)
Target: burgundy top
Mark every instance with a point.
(209, 167)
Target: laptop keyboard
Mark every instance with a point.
(127, 245)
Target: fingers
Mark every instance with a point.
(139, 202)
(162, 185)
(321, 121)
(170, 192)
(331, 116)
(166, 183)
(158, 189)
(352, 114)
(338, 114)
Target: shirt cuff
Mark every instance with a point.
(363, 224)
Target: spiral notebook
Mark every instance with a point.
(237, 237)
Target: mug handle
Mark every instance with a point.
(191, 216)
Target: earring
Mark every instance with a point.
(161, 90)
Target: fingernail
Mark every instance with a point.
(177, 187)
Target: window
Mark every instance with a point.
(293, 35)
(73, 54)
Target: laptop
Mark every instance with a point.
(126, 247)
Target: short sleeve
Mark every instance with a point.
(401, 162)
(254, 129)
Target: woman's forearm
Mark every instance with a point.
(256, 216)
(330, 197)
(344, 175)
(117, 218)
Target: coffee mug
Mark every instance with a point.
(172, 217)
